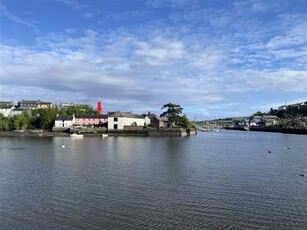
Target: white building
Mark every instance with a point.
(119, 120)
(6, 110)
(148, 116)
(19, 112)
(64, 121)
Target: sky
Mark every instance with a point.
(214, 58)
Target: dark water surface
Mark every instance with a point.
(219, 180)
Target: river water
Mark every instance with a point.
(214, 180)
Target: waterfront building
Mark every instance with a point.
(69, 121)
(120, 120)
(64, 121)
(159, 122)
(91, 120)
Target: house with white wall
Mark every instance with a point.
(6, 110)
(64, 121)
(20, 111)
(6, 107)
(148, 116)
(118, 120)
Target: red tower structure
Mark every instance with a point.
(99, 107)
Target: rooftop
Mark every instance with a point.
(125, 114)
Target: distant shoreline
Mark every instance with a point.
(274, 130)
(48, 133)
(27, 133)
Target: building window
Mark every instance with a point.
(115, 119)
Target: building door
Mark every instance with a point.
(115, 126)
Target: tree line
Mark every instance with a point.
(41, 118)
(44, 118)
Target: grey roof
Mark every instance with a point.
(6, 107)
(64, 118)
(29, 101)
(270, 116)
(161, 118)
(125, 114)
(6, 103)
(34, 102)
(20, 110)
(97, 116)
(149, 115)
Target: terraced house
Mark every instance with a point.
(30, 104)
(68, 121)
(91, 120)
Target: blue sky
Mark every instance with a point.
(215, 58)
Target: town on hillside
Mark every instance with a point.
(38, 114)
(292, 116)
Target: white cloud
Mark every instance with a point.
(283, 80)
(119, 70)
(160, 51)
(258, 7)
(74, 4)
(204, 57)
(206, 60)
(7, 14)
(88, 15)
(169, 3)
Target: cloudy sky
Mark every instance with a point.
(215, 58)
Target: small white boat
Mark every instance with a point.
(104, 135)
(75, 135)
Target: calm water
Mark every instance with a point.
(219, 180)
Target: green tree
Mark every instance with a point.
(43, 118)
(77, 109)
(20, 121)
(184, 121)
(15, 122)
(4, 123)
(173, 113)
(273, 111)
(259, 113)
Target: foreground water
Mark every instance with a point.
(209, 181)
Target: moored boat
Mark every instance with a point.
(76, 135)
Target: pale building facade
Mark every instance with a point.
(119, 120)
(91, 119)
(27, 104)
(64, 121)
(6, 110)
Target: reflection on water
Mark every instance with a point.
(212, 180)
